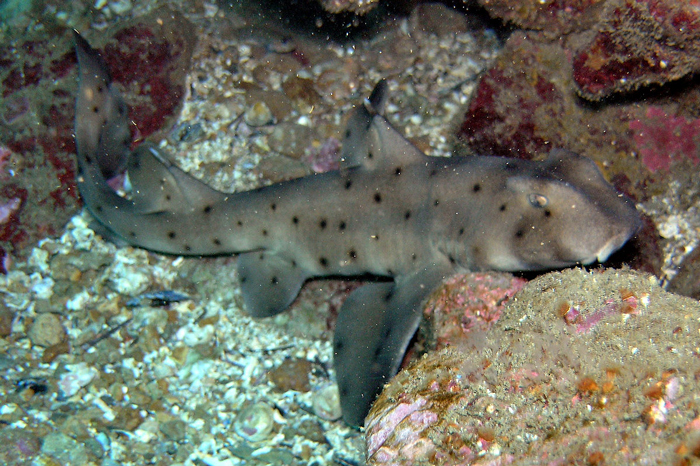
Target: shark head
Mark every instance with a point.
(563, 213)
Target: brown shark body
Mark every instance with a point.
(390, 211)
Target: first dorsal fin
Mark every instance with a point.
(159, 186)
(371, 141)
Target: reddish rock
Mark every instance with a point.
(553, 17)
(639, 42)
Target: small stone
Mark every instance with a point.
(292, 374)
(47, 330)
(258, 114)
(64, 449)
(17, 446)
(6, 318)
(52, 351)
(255, 422)
(326, 403)
(174, 430)
(291, 139)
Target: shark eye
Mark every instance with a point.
(537, 200)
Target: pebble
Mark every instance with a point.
(291, 139)
(255, 422)
(6, 318)
(258, 114)
(17, 446)
(326, 403)
(64, 449)
(46, 330)
(292, 374)
(174, 430)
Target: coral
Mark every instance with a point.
(616, 385)
(639, 42)
(663, 139)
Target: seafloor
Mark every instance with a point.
(585, 367)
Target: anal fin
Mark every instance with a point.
(269, 282)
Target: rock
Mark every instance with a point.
(292, 374)
(7, 316)
(599, 366)
(64, 449)
(46, 330)
(18, 446)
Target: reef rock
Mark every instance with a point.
(582, 367)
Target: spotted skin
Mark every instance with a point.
(390, 211)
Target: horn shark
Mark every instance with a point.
(390, 211)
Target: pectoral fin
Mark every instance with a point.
(375, 325)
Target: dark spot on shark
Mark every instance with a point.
(370, 155)
(261, 256)
(217, 242)
(322, 224)
(414, 256)
(323, 261)
(436, 202)
(96, 109)
(132, 234)
(397, 171)
(342, 225)
(461, 231)
(390, 272)
(377, 198)
(519, 234)
(352, 254)
(295, 220)
(207, 209)
(375, 237)
(273, 207)
(476, 188)
(98, 208)
(167, 197)
(100, 89)
(348, 133)
(407, 215)
(387, 298)
(239, 223)
(348, 184)
(274, 281)
(294, 264)
(243, 279)
(502, 208)
(452, 260)
(88, 159)
(171, 235)
(187, 248)
(339, 345)
(264, 232)
(432, 173)
(377, 351)
(547, 213)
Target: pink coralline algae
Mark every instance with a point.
(325, 157)
(466, 303)
(662, 139)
